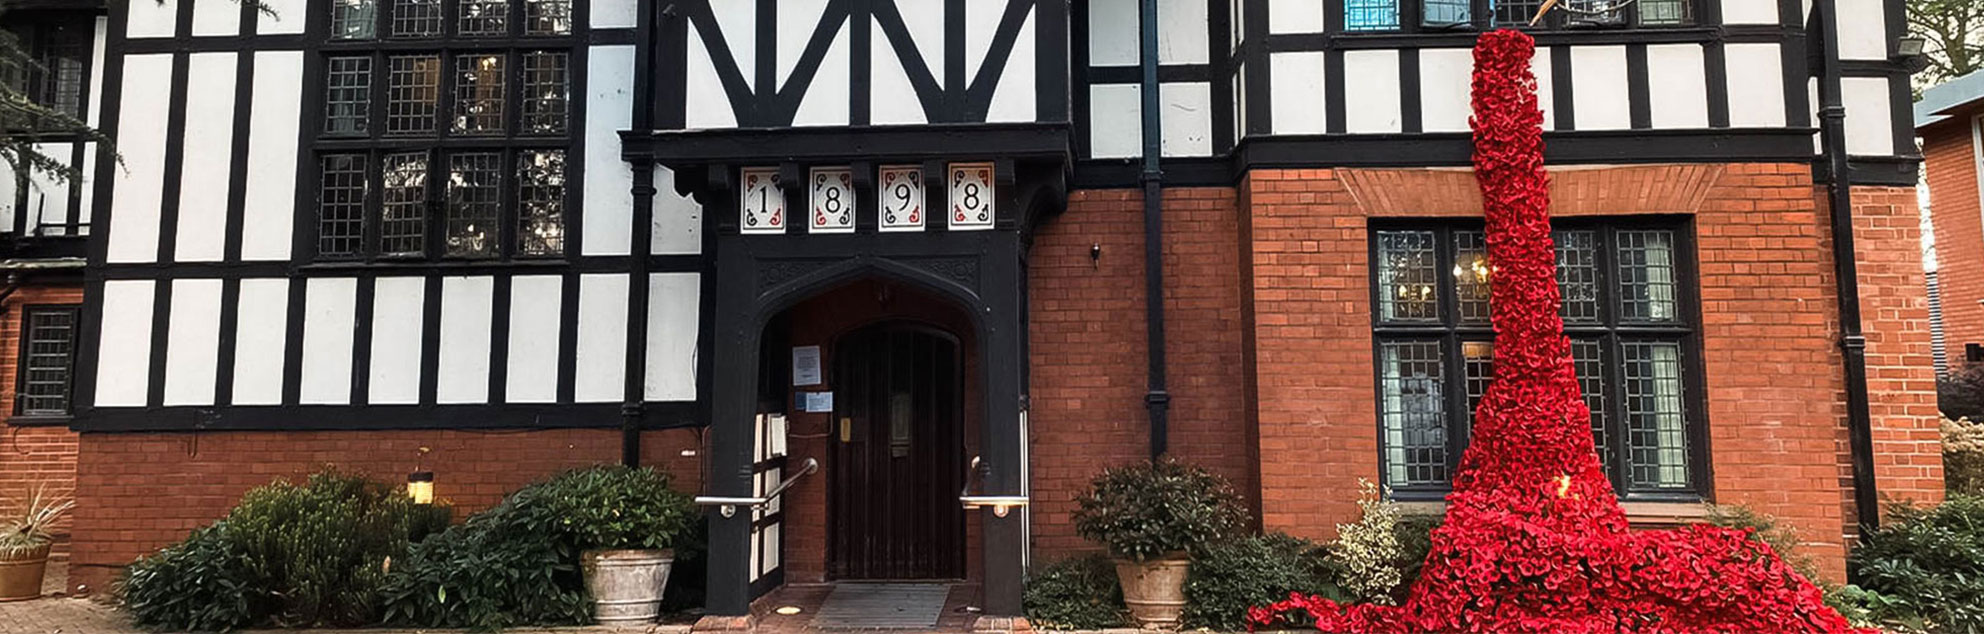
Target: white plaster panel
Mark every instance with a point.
(87, 209)
(47, 197)
(215, 17)
(673, 320)
(825, 101)
(288, 17)
(1445, 79)
(1869, 118)
(329, 313)
(1115, 121)
(924, 19)
(7, 192)
(981, 23)
(1013, 100)
(796, 20)
(1371, 91)
(532, 374)
(1546, 90)
(192, 342)
(261, 335)
(149, 18)
(1756, 85)
(100, 36)
(1187, 119)
(1298, 97)
(1863, 29)
(394, 373)
(1296, 16)
(1113, 33)
(608, 208)
(1678, 86)
(269, 207)
(203, 181)
(141, 141)
(1182, 32)
(466, 310)
(677, 221)
(738, 19)
(616, 14)
(601, 367)
(124, 350)
(709, 105)
(891, 98)
(1749, 12)
(1599, 92)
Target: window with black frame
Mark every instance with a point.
(1628, 309)
(1441, 15)
(446, 129)
(48, 361)
(55, 48)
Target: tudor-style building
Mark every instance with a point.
(961, 255)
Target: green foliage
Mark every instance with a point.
(1925, 566)
(1145, 510)
(1078, 593)
(1963, 456)
(30, 529)
(1369, 550)
(1764, 528)
(285, 556)
(518, 563)
(1415, 542)
(1228, 578)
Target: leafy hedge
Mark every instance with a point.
(1146, 510)
(1077, 593)
(1227, 579)
(518, 563)
(310, 555)
(1925, 567)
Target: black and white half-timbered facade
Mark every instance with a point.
(904, 240)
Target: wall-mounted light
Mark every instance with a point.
(1909, 53)
(420, 487)
(1095, 256)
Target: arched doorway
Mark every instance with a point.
(897, 460)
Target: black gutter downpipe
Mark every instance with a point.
(1157, 400)
(1839, 193)
(634, 390)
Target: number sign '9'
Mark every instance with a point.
(972, 194)
(901, 198)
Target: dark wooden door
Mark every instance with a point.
(898, 459)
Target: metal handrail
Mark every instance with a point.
(1001, 504)
(727, 506)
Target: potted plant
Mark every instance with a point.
(628, 522)
(24, 542)
(1151, 515)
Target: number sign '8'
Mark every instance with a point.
(902, 197)
(971, 196)
(833, 201)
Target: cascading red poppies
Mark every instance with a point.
(1534, 539)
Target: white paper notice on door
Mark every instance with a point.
(819, 402)
(806, 365)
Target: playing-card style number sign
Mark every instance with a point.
(902, 198)
(971, 196)
(833, 201)
(761, 207)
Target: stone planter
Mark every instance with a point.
(20, 578)
(1154, 590)
(626, 585)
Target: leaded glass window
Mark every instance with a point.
(1627, 313)
(48, 360)
(449, 138)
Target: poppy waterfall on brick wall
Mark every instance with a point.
(1534, 538)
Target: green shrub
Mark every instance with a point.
(313, 555)
(1077, 593)
(1963, 456)
(518, 563)
(1227, 579)
(1415, 542)
(1926, 566)
(1369, 550)
(1149, 509)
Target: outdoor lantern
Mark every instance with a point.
(420, 487)
(1909, 52)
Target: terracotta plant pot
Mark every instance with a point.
(20, 579)
(626, 585)
(1154, 590)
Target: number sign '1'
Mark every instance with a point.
(902, 197)
(971, 196)
(761, 205)
(833, 201)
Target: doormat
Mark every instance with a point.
(882, 606)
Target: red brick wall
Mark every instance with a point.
(1768, 331)
(1949, 164)
(142, 491)
(1894, 312)
(32, 456)
(1087, 340)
